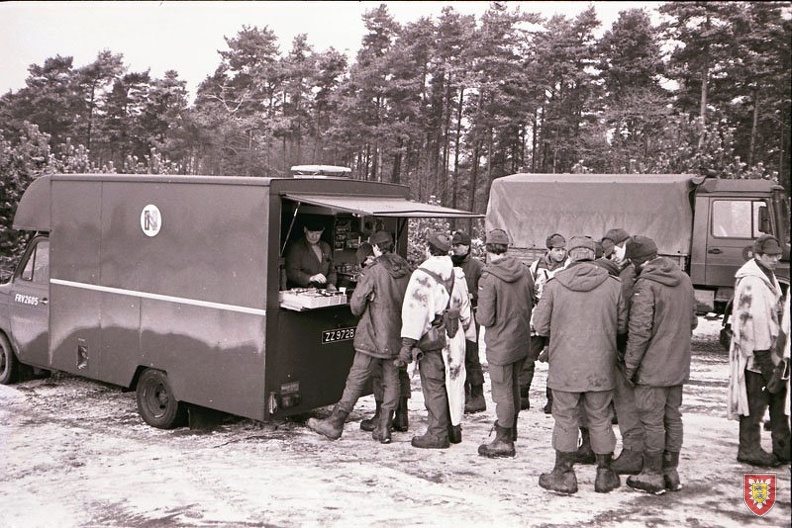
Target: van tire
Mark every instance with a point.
(9, 364)
(156, 403)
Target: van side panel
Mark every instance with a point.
(75, 338)
(189, 300)
(197, 289)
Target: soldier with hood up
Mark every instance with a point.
(582, 310)
(505, 302)
(435, 286)
(377, 300)
(657, 360)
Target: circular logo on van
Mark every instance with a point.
(151, 220)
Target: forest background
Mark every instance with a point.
(442, 104)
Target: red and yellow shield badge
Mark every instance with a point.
(759, 493)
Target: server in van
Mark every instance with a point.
(309, 260)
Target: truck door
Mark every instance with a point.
(30, 305)
(734, 224)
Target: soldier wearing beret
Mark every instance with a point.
(505, 304)
(542, 270)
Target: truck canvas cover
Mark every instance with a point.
(532, 206)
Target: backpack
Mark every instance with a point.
(445, 324)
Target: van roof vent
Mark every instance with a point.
(302, 171)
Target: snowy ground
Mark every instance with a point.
(75, 453)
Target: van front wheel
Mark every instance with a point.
(9, 365)
(156, 403)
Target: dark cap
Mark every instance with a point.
(313, 224)
(617, 235)
(460, 237)
(582, 242)
(439, 241)
(379, 237)
(363, 252)
(767, 245)
(555, 241)
(607, 247)
(640, 249)
(497, 236)
(598, 249)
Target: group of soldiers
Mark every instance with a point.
(613, 320)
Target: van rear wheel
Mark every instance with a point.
(9, 365)
(156, 403)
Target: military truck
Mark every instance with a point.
(706, 224)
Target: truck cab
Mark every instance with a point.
(729, 216)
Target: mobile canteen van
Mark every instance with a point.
(173, 286)
(706, 225)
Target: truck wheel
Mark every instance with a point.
(156, 403)
(9, 365)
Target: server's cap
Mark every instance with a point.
(313, 224)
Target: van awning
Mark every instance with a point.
(380, 206)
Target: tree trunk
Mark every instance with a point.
(754, 125)
(703, 109)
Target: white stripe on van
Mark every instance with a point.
(158, 297)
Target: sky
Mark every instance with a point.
(185, 36)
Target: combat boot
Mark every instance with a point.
(584, 454)
(607, 480)
(562, 479)
(750, 450)
(332, 426)
(501, 447)
(670, 474)
(650, 479)
(629, 462)
(525, 401)
(476, 403)
(454, 433)
(428, 441)
(370, 424)
(514, 427)
(548, 406)
(382, 432)
(401, 420)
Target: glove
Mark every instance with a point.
(543, 355)
(780, 375)
(629, 374)
(406, 352)
(765, 363)
(405, 355)
(621, 345)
